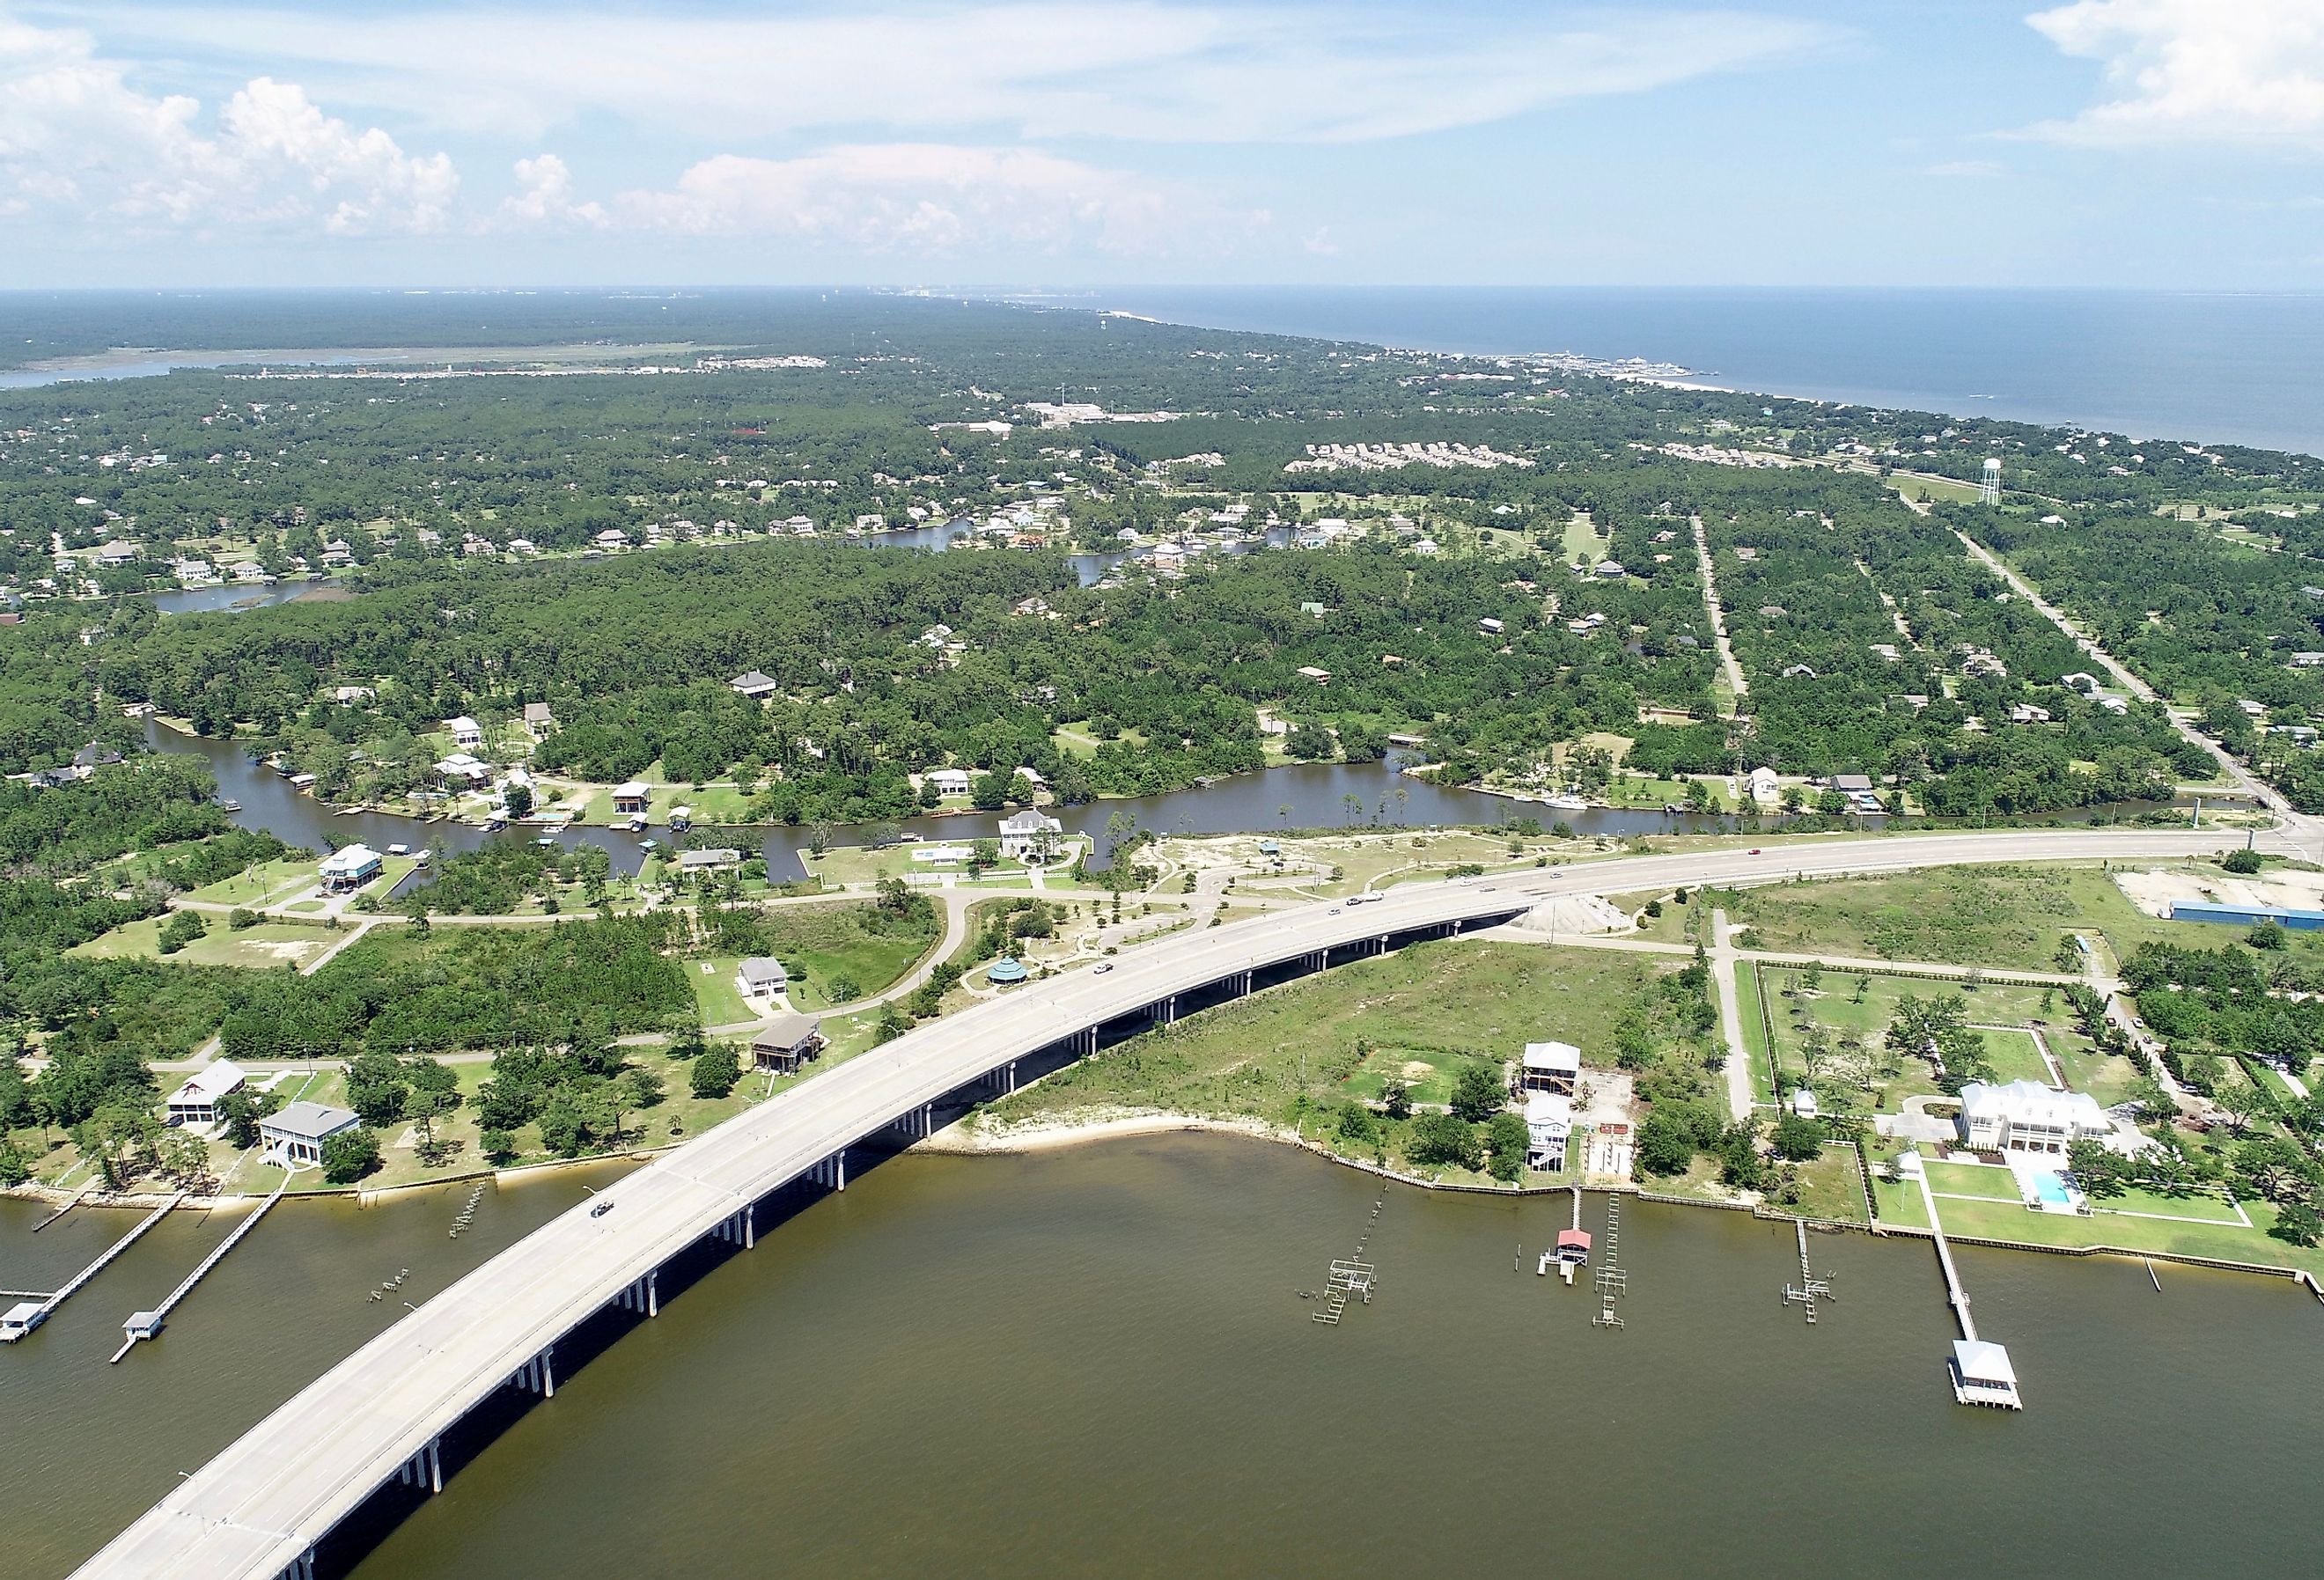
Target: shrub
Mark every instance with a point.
(714, 1072)
(239, 920)
(2246, 861)
(182, 928)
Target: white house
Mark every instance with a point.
(1549, 1120)
(350, 867)
(462, 771)
(196, 1102)
(2026, 1116)
(465, 731)
(762, 976)
(1555, 1067)
(295, 1135)
(632, 799)
(754, 684)
(1024, 834)
(949, 781)
(1765, 789)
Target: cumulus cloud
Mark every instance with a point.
(2195, 70)
(1270, 71)
(916, 197)
(79, 143)
(545, 198)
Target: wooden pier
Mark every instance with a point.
(23, 1319)
(1980, 1370)
(1810, 1289)
(145, 1325)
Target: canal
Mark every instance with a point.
(1098, 1360)
(1316, 796)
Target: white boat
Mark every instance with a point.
(1567, 801)
(398, 850)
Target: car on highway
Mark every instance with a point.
(1753, 851)
(1103, 966)
(604, 1205)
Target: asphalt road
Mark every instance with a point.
(259, 1505)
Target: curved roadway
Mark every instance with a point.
(268, 1498)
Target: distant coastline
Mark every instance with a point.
(2213, 367)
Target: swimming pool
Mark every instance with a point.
(2052, 1194)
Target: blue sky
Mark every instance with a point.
(2133, 142)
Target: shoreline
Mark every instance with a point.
(966, 1139)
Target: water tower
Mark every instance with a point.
(1989, 488)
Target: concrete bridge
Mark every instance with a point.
(310, 1488)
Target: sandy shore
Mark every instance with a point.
(982, 1137)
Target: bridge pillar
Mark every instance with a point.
(1170, 1011)
(839, 1167)
(435, 1464)
(302, 1568)
(751, 1227)
(1010, 1068)
(654, 1293)
(548, 1372)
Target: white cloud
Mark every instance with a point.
(2195, 70)
(80, 144)
(1275, 71)
(919, 198)
(546, 197)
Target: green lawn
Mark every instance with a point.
(1750, 1009)
(1977, 1179)
(713, 980)
(263, 883)
(1282, 1054)
(1868, 1074)
(2013, 1055)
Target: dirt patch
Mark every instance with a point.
(2153, 891)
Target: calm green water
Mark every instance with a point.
(1096, 1361)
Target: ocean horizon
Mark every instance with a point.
(2210, 367)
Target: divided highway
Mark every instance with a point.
(259, 1509)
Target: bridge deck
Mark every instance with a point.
(271, 1495)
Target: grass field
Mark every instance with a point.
(1429, 1072)
(260, 948)
(1281, 1054)
(2012, 917)
(264, 883)
(1750, 1007)
(1581, 540)
(1855, 1010)
(818, 944)
(715, 993)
